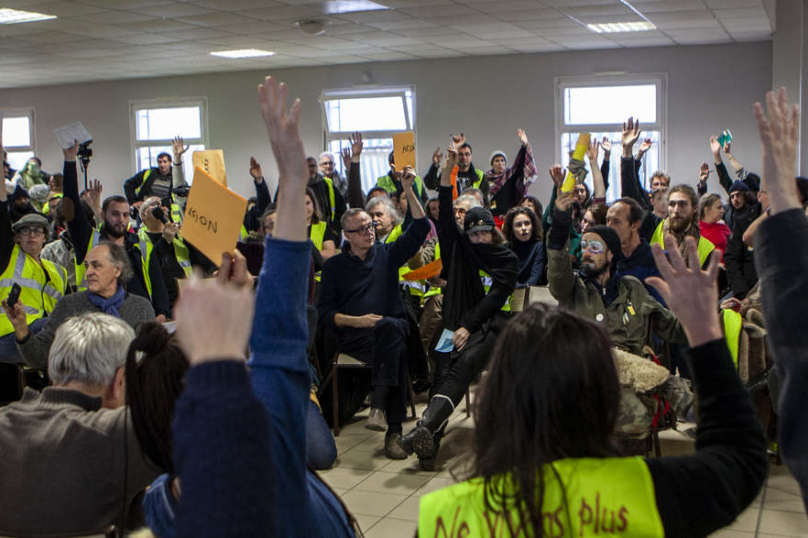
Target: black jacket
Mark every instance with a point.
(739, 259)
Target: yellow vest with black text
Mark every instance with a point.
(705, 246)
(181, 252)
(41, 286)
(417, 287)
(176, 211)
(487, 282)
(596, 497)
(144, 248)
(317, 234)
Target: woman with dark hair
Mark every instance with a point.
(320, 232)
(431, 210)
(533, 203)
(595, 215)
(522, 230)
(544, 459)
(480, 272)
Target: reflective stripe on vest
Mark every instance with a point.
(94, 240)
(387, 184)
(487, 281)
(39, 292)
(733, 323)
(316, 235)
(145, 248)
(609, 497)
(705, 246)
(479, 181)
(332, 200)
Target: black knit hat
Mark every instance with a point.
(478, 218)
(609, 237)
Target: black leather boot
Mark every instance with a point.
(421, 438)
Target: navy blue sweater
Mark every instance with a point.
(355, 287)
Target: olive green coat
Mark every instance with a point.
(626, 319)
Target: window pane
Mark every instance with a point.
(166, 123)
(147, 158)
(373, 160)
(17, 159)
(609, 104)
(17, 132)
(650, 161)
(366, 114)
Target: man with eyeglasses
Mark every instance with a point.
(42, 283)
(621, 304)
(360, 300)
(329, 170)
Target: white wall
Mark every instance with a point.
(709, 88)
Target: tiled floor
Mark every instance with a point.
(384, 494)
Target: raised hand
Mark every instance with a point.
(407, 178)
(451, 157)
(72, 152)
(715, 146)
(233, 271)
(346, 158)
(178, 144)
(631, 132)
(557, 174)
(437, 157)
(170, 231)
(255, 169)
(592, 150)
(458, 140)
(728, 148)
(704, 172)
(17, 316)
(606, 144)
(282, 127)
(564, 200)
(93, 194)
(357, 144)
(779, 135)
(690, 293)
(644, 147)
(522, 137)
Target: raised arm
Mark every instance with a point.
(177, 172)
(629, 182)
(77, 223)
(559, 264)
(699, 494)
(355, 197)
(723, 176)
(599, 193)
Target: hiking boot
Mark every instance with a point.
(421, 438)
(376, 420)
(392, 447)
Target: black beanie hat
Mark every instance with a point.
(478, 218)
(609, 237)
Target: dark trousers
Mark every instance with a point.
(385, 348)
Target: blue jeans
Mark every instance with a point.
(321, 451)
(8, 343)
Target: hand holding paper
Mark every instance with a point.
(404, 150)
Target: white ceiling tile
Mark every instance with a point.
(486, 50)
(689, 15)
(219, 18)
(688, 24)
(124, 4)
(175, 9)
(650, 41)
(388, 56)
(439, 53)
(157, 25)
(49, 37)
(465, 19)
(366, 17)
(144, 39)
(453, 40)
(405, 24)
(255, 27)
(510, 42)
(751, 36)
(282, 13)
(413, 47)
(498, 8)
(649, 7)
(114, 17)
(547, 23)
(236, 5)
(198, 33)
(427, 12)
(530, 15)
(65, 9)
(550, 47)
(732, 4)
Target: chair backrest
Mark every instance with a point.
(540, 294)
(12, 382)
(519, 300)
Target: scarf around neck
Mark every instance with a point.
(108, 306)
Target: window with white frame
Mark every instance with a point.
(18, 137)
(599, 106)
(378, 114)
(156, 123)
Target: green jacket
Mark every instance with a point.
(629, 315)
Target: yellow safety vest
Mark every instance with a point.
(316, 235)
(41, 286)
(434, 290)
(331, 198)
(487, 282)
(243, 234)
(599, 497)
(144, 247)
(417, 287)
(46, 206)
(176, 212)
(387, 184)
(733, 324)
(705, 246)
(181, 252)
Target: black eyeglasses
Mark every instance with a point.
(27, 230)
(365, 230)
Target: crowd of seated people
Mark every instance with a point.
(424, 289)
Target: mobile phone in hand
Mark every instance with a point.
(14, 296)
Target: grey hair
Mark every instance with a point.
(348, 215)
(148, 204)
(392, 210)
(89, 349)
(663, 175)
(470, 198)
(327, 154)
(120, 259)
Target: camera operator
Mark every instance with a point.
(147, 280)
(159, 181)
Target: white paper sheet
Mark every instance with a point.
(67, 134)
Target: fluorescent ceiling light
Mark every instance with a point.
(615, 27)
(14, 16)
(335, 7)
(242, 53)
